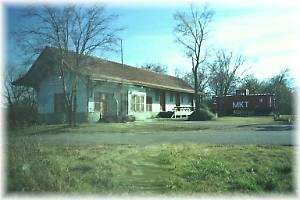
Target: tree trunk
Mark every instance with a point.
(74, 102)
(69, 112)
(197, 102)
(74, 117)
(197, 98)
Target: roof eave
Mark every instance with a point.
(118, 80)
(23, 81)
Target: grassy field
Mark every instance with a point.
(148, 169)
(153, 169)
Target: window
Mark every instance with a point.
(148, 103)
(182, 98)
(137, 103)
(171, 97)
(157, 94)
(59, 103)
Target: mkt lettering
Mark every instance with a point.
(240, 104)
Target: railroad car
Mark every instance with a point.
(243, 103)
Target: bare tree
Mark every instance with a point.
(202, 80)
(178, 72)
(189, 78)
(155, 67)
(19, 100)
(70, 28)
(191, 31)
(223, 72)
(253, 84)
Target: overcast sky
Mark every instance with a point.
(263, 31)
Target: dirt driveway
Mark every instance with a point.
(248, 134)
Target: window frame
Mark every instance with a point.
(137, 102)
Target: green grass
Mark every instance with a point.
(39, 165)
(152, 169)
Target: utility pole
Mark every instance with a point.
(122, 53)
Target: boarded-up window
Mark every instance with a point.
(137, 103)
(59, 103)
(149, 104)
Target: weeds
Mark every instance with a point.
(155, 169)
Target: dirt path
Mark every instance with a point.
(275, 134)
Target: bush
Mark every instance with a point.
(201, 115)
(167, 114)
(289, 119)
(128, 118)
(19, 115)
(123, 119)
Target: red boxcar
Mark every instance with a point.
(243, 103)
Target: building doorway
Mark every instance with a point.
(162, 101)
(101, 104)
(177, 99)
(148, 103)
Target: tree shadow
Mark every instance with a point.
(275, 128)
(54, 130)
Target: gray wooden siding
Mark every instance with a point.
(52, 85)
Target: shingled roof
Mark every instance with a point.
(103, 70)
